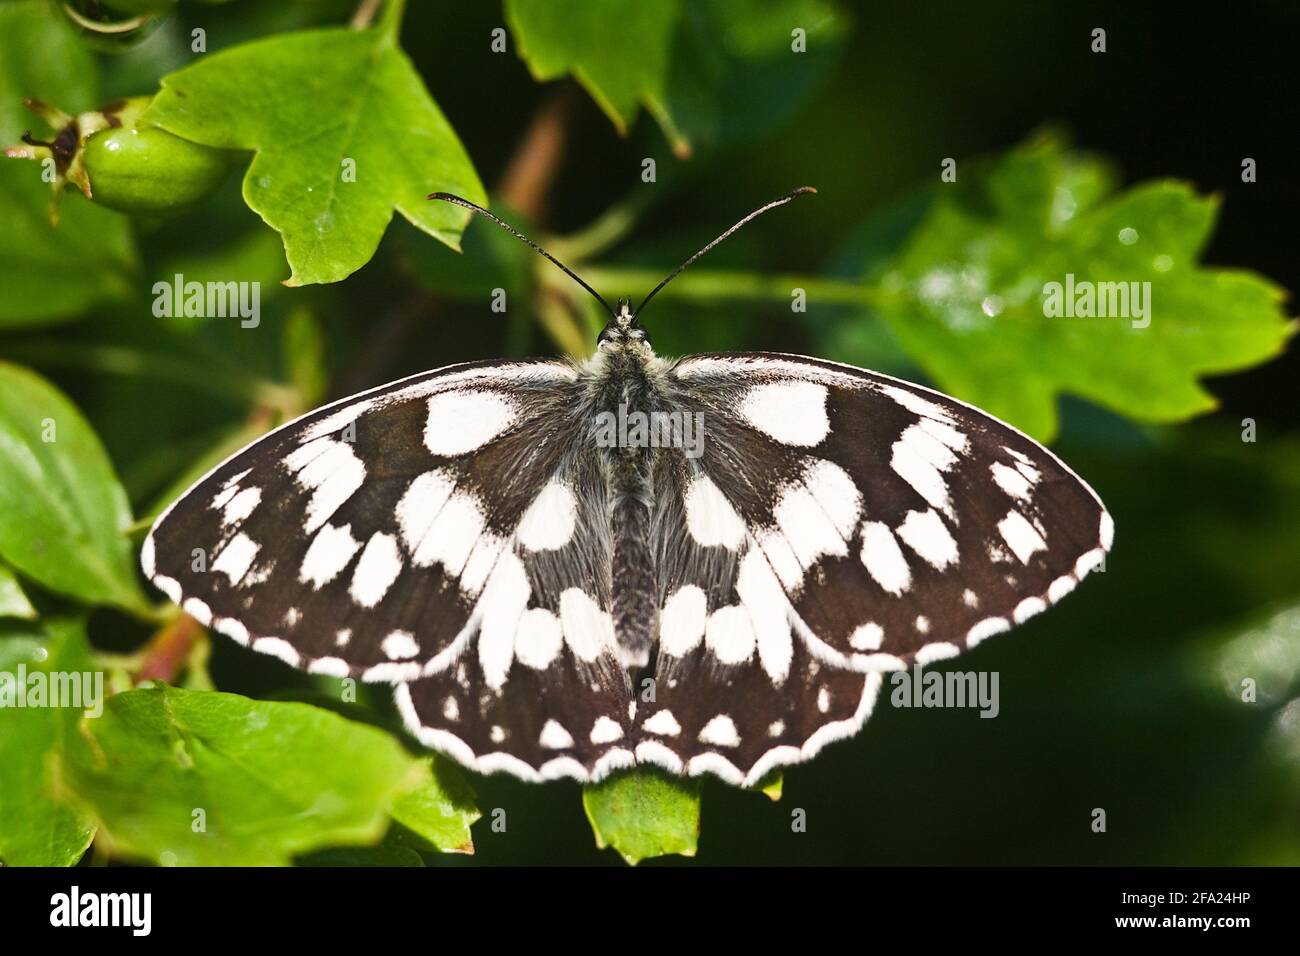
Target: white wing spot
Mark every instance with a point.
(682, 621)
(986, 629)
(240, 506)
(792, 412)
(400, 646)
(765, 603)
(936, 652)
(378, 568)
(549, 521)
(720, 732)
(920, 460)
(730, 635)
(505, 596)
(1020, 536)
(807, 528)
(1011, 481)
(915, 403)
(824, 699)
(1027, 609)
(555, 737)
(883, 558)
(835, 492)
(461, 422)
(278, 648)
(712, 520)
(605, 731)
(236, 558)
(926, 534)
(327, 555)
(587, 629)
(1061, 587)
(867, 637)
(333, 473)
(664, 724)
(538, 639)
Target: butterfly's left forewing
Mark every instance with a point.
(358, 539)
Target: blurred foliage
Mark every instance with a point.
(1130, 697)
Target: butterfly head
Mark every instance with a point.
(623, 328)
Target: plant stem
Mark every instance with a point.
(527, 178)
(169, 649)
(712, 285)
(606, 230)
(364, 14)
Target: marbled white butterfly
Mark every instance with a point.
(558, 586)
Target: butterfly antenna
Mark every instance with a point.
(457, 201)
(753, 215)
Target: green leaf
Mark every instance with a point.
(13, 602)
(63, 513)
(618, 49)
(644, 813)
(272, 779)
(50, 274)
(696, 67)
(37, 828)
(966, 296)
(441, 808)
(369, 107)
(735, 74)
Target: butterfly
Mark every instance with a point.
(565, 568)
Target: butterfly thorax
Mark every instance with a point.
(626, 385)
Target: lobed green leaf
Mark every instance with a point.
(644, 813)
(368, 114)
(966, 295)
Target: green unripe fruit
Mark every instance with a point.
(144, 170)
